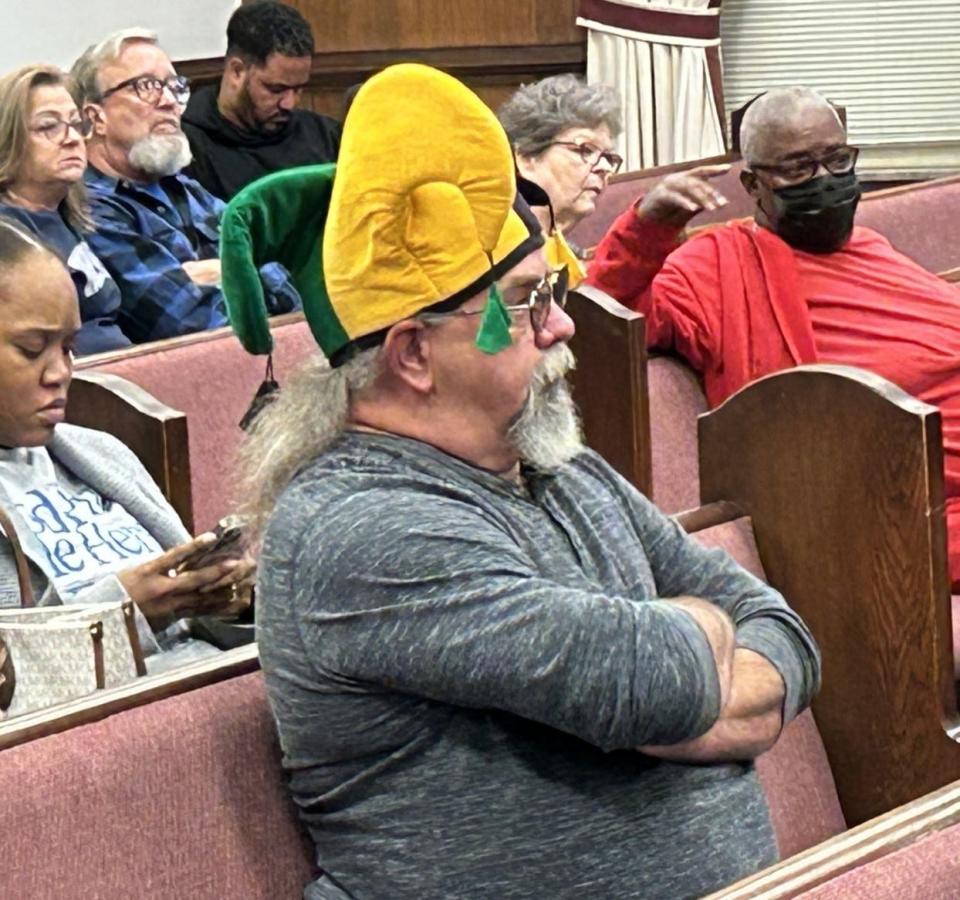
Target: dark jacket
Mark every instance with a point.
(227, 158)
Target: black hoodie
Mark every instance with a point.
(226, 158)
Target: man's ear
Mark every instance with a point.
(235, 68)
(749, 181)
(406, 355)
(94, 112)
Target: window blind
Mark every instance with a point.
(894, 65)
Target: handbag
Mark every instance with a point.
(61, 653)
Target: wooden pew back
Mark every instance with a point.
(212, 379)
(609, 382)
(156, 433)
(842, 475)
(638, 414)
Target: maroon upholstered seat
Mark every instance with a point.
(213, 381)
(795, 774)
(920, 220)
(183, 797)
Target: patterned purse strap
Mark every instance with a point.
(23, 567)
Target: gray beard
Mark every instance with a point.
(160, 154)
(547, 432)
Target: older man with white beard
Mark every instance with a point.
(157, 231)
(491, 660)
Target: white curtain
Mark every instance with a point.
(664, 79)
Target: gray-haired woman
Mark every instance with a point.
(563, 132)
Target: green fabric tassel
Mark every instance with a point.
(494, 333)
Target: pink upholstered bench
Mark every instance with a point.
(212, 379)
(920, 220)
(183, 797)
(676, 399)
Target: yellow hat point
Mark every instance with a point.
(422, 205)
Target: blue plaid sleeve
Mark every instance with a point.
(158, 299)
(278, 289)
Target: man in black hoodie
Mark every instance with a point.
(251, 127)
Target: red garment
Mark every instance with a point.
(738, 302)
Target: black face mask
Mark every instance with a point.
(817, 216)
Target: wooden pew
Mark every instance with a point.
(841, 473)
(652, 444)
(156, 433)
(795, 774)
(788, 452)
(212, 380)
(140, 692)
(609, 382)
(909, 852)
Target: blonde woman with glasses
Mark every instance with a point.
(42, 161)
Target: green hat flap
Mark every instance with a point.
(278, 218)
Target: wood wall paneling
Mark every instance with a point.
(494, 46)
(342, 25)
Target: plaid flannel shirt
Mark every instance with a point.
(145, 233)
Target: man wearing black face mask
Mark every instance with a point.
(798, 283)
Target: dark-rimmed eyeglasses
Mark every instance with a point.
(591, 155)
(55, 130)
(149, 88)
(551, 289)
(840, 161)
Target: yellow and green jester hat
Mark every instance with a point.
(420, 213)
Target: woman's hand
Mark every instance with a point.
(162, 593)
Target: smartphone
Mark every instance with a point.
(228, 545)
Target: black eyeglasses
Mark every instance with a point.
(841, 161)
(592, 155)
(55, 130)
(150, 89)
(551, 289)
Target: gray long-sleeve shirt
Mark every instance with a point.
(460, 671)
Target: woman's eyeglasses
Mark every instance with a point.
(150, 89)
(551, 289)
(592, 155)
(55, 130)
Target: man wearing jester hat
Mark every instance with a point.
(497, 670)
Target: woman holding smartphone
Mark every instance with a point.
(92, 523)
